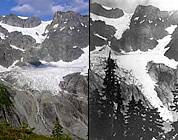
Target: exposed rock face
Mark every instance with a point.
(66, 36)
(107, 33)
(75, 83)
(7, 54)
(21, 41)
(166, 80)
(68, 33)
(64, 39)
(147, 25)
(172, 52)
(96, 82)
(100, 11)
(41, 109)
(16, 21)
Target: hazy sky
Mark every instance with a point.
(129, 5)
(44, 9)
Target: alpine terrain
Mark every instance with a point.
(143, 45)
(44, 67)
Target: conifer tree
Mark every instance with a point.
(111, 101)
(94, 115)
(153, 124)
(57, 130)
(135, 120)
(142, 123)
(173, 134)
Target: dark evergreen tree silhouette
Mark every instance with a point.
(154, 124)
(119, 120)
(94, 115)
(173, 134)
(135, 120)
(57, 130)
(111, 101)
(142, 123)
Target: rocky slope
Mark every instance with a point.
(143, 45)
(44, 65)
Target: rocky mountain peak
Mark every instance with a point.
(99, 10)
(14, 20)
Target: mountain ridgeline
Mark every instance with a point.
(63, 39)
(50, 90)
(147, 25)
(143, 44)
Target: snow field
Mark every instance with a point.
(121, 24)
(35, 32)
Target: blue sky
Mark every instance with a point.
(44, 9)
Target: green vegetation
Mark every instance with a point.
(5, 98)
(24, 132)
(8, 132)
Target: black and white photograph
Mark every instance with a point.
(133, 86)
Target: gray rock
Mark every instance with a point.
(75, 83)
(25, 42)
(100, 11)
(7, 54)
(14, 20)
(68, 33)
(165, 78)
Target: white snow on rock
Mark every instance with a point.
(171, 29)
(136, 18)
(71, 28)
(104, 38)
(56, 25)
(82, 24)
(121, 24)
(62, 28)
(23, 17)
(135, 63)
(142, 21)
(47, 78)
(107, 8)
(2, 36)
(14, 47)
(30, 31)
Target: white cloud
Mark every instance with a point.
(24, 8)
(49, 7)
(57, 8)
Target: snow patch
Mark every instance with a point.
(136, 18)
(23, 17)
(2, 36)
(120, 24)
(171, 29)
(30, 31)
(14, 47)
(142, 21)
(13, 65)
(71, 28)
(135, 63)
(62, 28)
(107, 8)
(150, 21)
(82, 24)
(100, 36)
(56, 25)
(49, 75)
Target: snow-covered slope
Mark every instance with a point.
(35, 32)
(134, 64)
(46, 78)
(120, 24)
